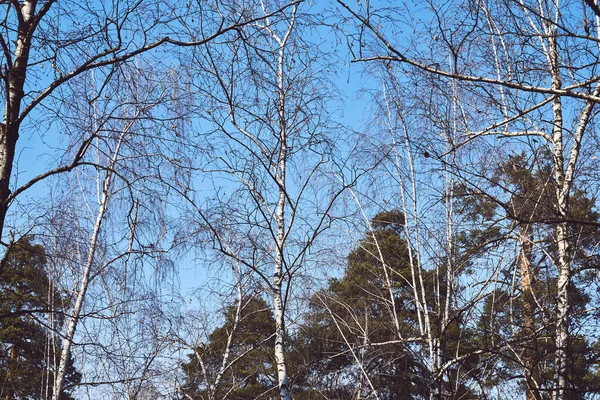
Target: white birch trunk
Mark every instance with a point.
(562, 193)
(564, 183)
(280, 178)
(278, 303)
(85, 281)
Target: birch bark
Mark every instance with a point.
(280, 177)
(555, 85)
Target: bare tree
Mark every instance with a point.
(271, 138)
(525, 64)
(47, 44)
(409, 179)
(108, 239)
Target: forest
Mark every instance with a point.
(295, 199)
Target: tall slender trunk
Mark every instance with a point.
(527, 277)
(562, 333)
(278, 303)
(85, 281)
(562, 195)
(9, 370)
(280, 180)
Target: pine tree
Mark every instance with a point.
(27, 297)
(529, 211)
(250, 371)
(350, 330)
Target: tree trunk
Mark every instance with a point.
(527, 278)
(562, 333)
(9, 364)
(562, 194)
(278, 272)
(280, 177)
(278, 304)
(282, 376)
(15, 81)
(76, 312)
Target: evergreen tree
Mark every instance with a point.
(350, 331)
(530, 306)
(27, 298)
(250, 372)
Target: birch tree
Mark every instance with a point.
(404, 142)
(103, 251)
(47, 44)
(271, 138)
(528, 64)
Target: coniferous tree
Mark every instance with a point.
(530, 306)
(250, 371)
(28, 298)
(350, 338)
